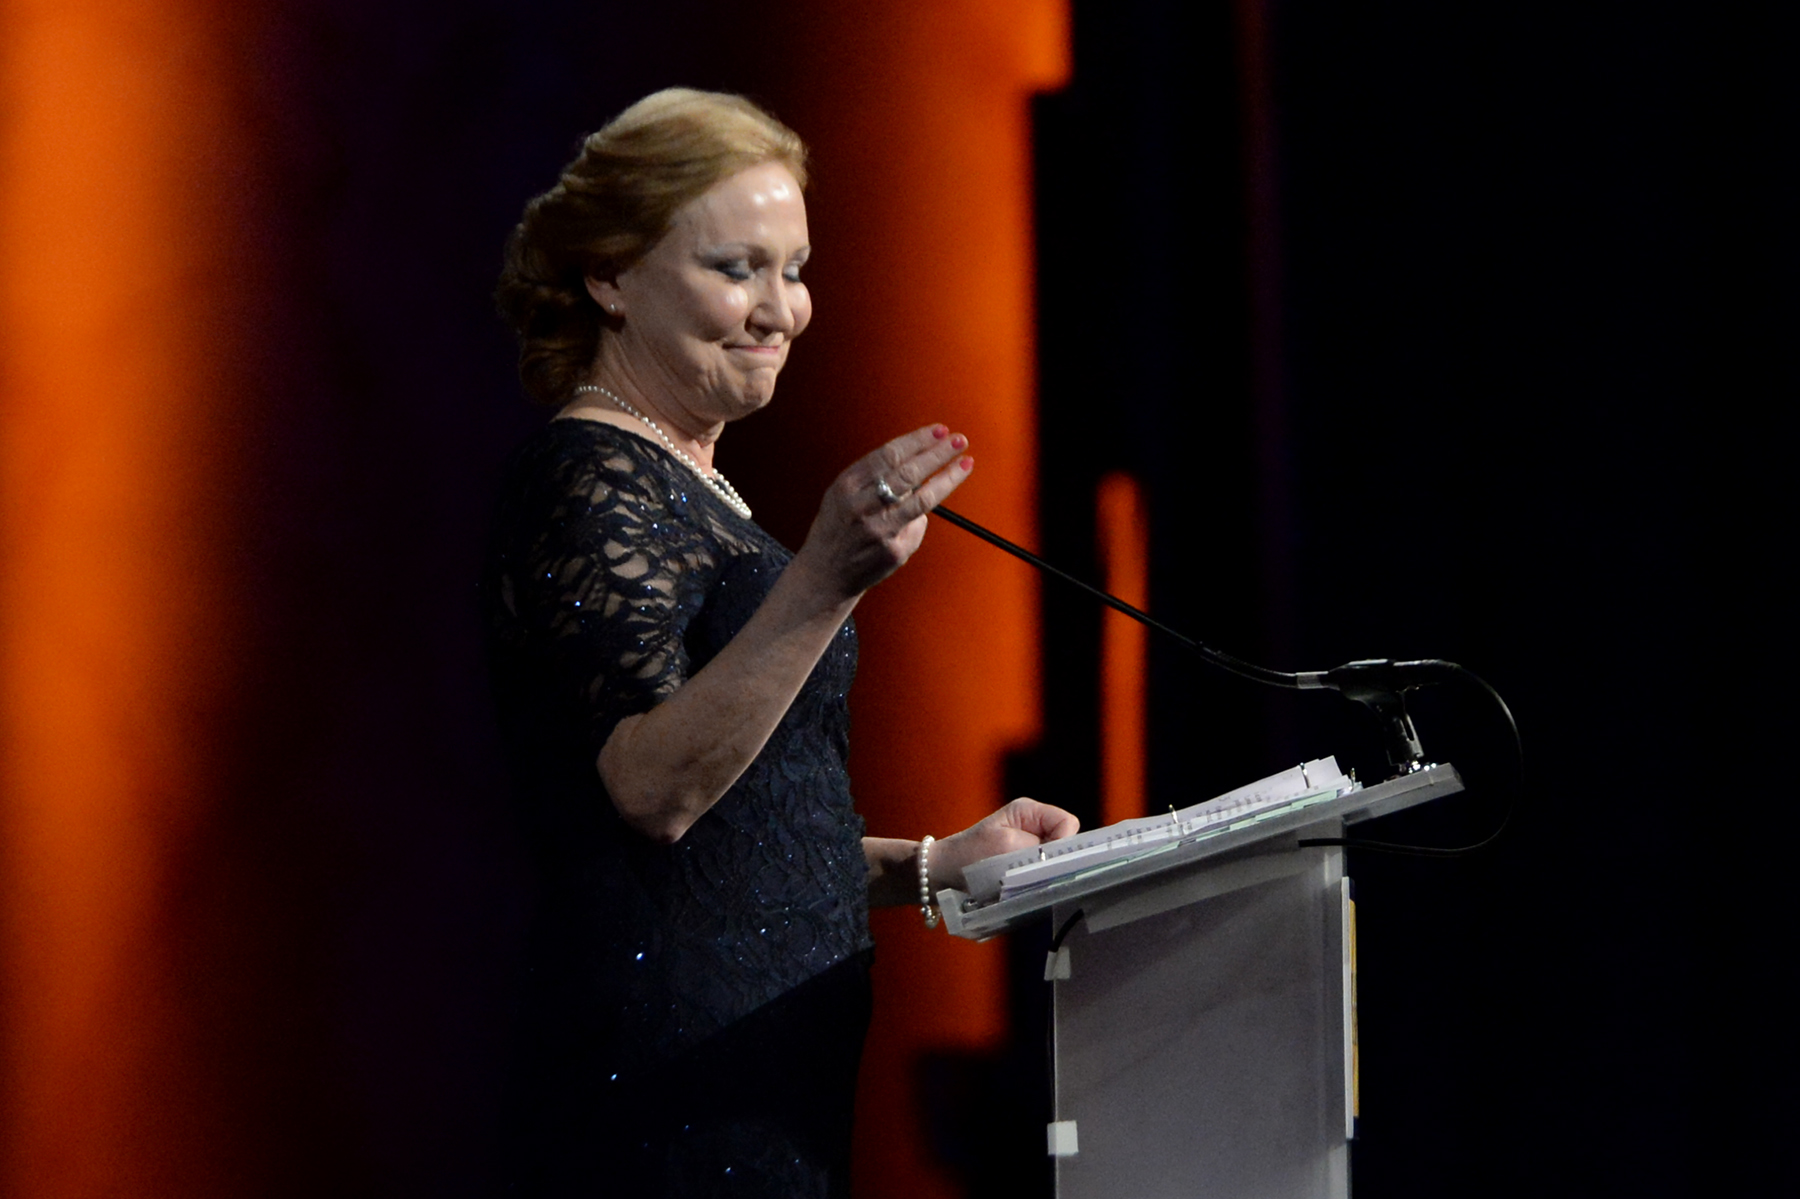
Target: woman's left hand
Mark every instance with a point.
(1021, 824)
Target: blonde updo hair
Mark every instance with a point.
(612, 204)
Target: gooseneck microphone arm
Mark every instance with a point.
(1378, 683)
(1224, 661)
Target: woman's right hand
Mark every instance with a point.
(859, 537)
(665, 768)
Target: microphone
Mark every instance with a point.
(1380, 684)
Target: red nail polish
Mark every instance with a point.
(958, 442)
(968, 463)
(940, 431)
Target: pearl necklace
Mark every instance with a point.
(720, 486)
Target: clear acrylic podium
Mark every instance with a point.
(1204, 1038)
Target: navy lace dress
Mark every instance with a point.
(694, 1013)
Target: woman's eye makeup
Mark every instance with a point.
(743, 268)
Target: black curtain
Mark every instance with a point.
(1461, 331)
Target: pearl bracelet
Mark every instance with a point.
(926, 908)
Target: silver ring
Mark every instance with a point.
(887, 494)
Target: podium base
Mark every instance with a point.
(1202, 1036)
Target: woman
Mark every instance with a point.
(672, 681)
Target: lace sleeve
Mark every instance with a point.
(602, 569)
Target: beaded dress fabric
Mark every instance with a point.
(694, 1012)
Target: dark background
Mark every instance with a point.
(1459, 331)
(1447, 330)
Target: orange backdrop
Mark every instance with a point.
(117, 653)
(923, 282)
(128, 236)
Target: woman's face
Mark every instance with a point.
(708, 313)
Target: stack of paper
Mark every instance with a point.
(1008, 874)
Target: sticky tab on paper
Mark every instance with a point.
(1062, 1139)
(1056, 964)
